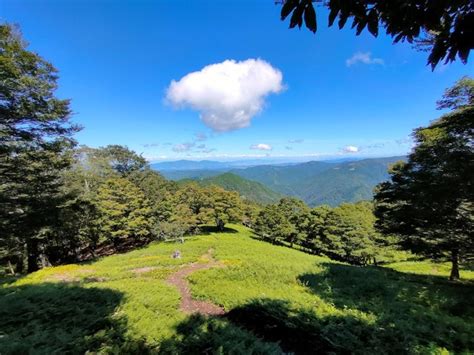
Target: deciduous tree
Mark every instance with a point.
(125, 214)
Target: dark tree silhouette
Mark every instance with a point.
(443, 27)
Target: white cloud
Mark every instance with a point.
(364, 58)
(228, 94)
(261, 146)
(350, 149)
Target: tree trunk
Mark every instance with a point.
(20, 261)
(455, 265)
(32, 250)
(10, 266)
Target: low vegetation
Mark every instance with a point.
(276, 299)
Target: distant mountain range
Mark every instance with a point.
(248, 189)
(180, 165)
(315, 182)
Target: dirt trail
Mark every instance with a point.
(188, 304)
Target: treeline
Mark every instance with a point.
(109, 200)
(345, 233)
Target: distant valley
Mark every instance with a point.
(315, 182)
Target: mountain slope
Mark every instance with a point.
(284, 179)
(248, 189)
(315, 182)
(189, 165)
(319, 183)
(346, 182)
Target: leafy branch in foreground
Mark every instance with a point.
(443, 27)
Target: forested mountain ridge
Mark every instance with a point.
(315, 182)
(346, 182)
(247, 189)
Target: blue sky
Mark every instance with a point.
(338, 94)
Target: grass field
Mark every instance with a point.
(277, 300)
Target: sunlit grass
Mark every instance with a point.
(429, 268)
(271, 292)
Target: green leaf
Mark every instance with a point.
(342, 20)
(373, 23)
(310, 18)
(360, 27)
(332, 16)
(287, 8)
(297, 17)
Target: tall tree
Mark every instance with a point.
(35, 143)
(126, 217)
(122, 159)
(222, 206)
(443, 27)
(273, 225)
(349, 233)
(315, 228)
(429, 201)
(298, 215)
(157, 190)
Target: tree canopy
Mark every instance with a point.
(444, 27)
(429, 201)
(35, 147)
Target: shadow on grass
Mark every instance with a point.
(214, 335)
(411, 311)
(298, 331)
(214, 229)
(60, 318)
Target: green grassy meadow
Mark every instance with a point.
(277, 300)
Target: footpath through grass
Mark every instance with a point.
(277, 299)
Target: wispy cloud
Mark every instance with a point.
(208, 150)
(229, 94)
(288, 147)
(295, 141)
(183, 147)
(261, 146)
(200, 137)
(151, 145)
(350, 149)
(363, 58)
